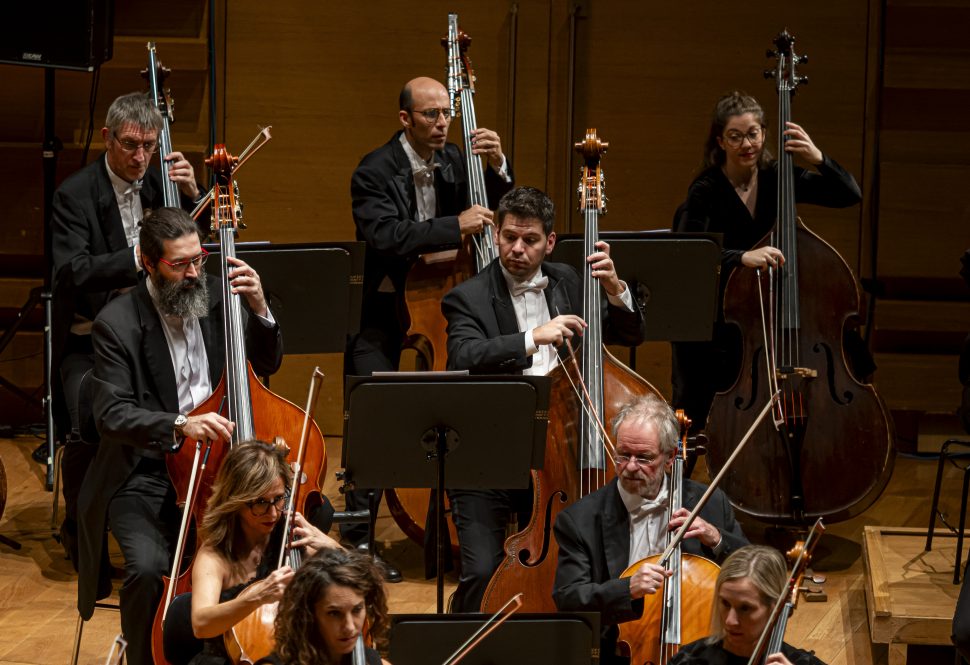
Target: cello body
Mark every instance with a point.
(828, 450)
(843, 446)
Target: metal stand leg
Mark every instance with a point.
(56, 500)
(936, 496)
(963, 523)
(77, 639)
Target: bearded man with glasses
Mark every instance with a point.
(410, 197)
(159, 352)
(600, 535)
(94, 232)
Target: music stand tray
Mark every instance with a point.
(406, 429)
(537, 639)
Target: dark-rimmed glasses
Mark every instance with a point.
(431, 115)
(260, 507)
(181, 266)
(736, 139)
(132, 146)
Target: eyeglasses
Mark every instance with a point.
(431, 115)
(181, 266)
(132, 146)
(260, 507)
(736, 139)
(640, 460)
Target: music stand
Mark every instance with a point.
(674, 277)
(491, 430)
(537, 639)
(313, 289)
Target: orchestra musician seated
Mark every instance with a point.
(510, 319)
(749, 583)
(600, 535)
(241, 533)
(334, 598)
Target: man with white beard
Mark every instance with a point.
(159, 352)
(600, 535)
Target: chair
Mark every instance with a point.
(79, 628)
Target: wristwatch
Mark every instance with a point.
(180, 422)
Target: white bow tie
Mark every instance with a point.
(535, 286)
(134, 187)
(425, 171)
(650, 506)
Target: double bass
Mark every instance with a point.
(828, 449)
(257, 412)
(582, 398)
(427, 283)
(663, 627)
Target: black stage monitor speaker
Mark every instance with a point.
(64, 34)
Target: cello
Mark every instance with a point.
(577, 456)
(257, 412)
(656, 637)
(427, 283)
(828, 449)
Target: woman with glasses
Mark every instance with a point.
(735, 194)
(333, 599)
(750, 582)
(241, 534)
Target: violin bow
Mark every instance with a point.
(679, 536)
(485, 630)
(261, 139)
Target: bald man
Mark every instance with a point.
(410, 197)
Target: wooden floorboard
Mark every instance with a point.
(38, 586)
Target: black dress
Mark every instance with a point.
(699, 369)
(214, 648)
(702, 653)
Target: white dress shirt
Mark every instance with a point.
(648, 521)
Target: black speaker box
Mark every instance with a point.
(65, 34)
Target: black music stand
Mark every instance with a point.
(674, 277)
(537, 639)
(491, 430)
(313, 289)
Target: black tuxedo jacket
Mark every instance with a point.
(484, 335)
(136, 403)
(594, 549)
(385, 211)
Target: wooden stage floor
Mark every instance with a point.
(38, 586)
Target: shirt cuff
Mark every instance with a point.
(267, 320)
(134, 248)
(625, 299)
(530, 345)
(503, 171)
(717, 549)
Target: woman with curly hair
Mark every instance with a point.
(241, 533)
(325, 609)
(747, 587)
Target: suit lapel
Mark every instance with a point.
(502, 301)
(557, 295)
(444, 185)
(112, 230)
(155, 349)
(403, 179)
(616, 533)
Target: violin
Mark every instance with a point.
(257, 412)
(663, 627)
(828, 450)
(578, 450)
(773, 634)
(427, 283)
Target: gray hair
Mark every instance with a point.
(135, 108)
(651, 409)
